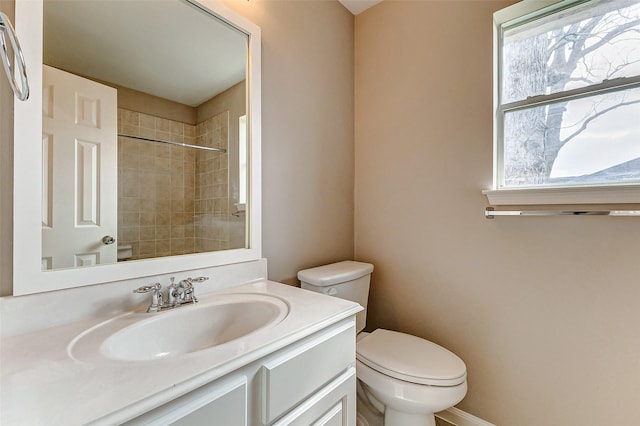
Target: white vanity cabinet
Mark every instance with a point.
(309, 382)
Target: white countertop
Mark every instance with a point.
(42, 384)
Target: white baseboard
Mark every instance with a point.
(460, 418)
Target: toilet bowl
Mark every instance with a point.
(410, 377)
(404, 378)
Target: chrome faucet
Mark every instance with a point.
(177, 294)
(172, 293)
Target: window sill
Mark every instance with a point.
(627, 194)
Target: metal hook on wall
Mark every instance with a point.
(21, 93)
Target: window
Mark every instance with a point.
(567, 95)
(242, 162)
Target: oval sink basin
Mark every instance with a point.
(183, 330)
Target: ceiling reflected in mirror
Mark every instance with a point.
(169, 49)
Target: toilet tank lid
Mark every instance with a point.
(335, 273)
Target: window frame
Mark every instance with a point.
(615, 193)
(242, 162)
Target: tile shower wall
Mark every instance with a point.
(157, 186)
(212, 185)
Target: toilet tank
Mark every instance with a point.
(347, 280)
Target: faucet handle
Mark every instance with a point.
(189, 290)
(148, 288)
(156, 297)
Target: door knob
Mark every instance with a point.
(108, 239)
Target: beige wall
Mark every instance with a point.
(544, 311)
(307, 132)
(134, 100)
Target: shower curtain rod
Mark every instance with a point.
(185, 145)
(490, 213)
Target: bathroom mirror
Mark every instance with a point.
(159, 105)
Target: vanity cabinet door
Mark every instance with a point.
(223, 402)
(333, 405)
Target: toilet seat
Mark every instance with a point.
(410, 358)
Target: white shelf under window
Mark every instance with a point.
(618, 194)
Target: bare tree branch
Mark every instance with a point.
(582, 79)
(620, 67)
(564, 37)
(610, 36)
(586, 122)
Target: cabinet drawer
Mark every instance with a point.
(291, 378)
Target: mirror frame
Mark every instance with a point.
(28, 277)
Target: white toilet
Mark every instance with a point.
(405, 377)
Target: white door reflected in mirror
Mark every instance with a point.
(79, 180)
